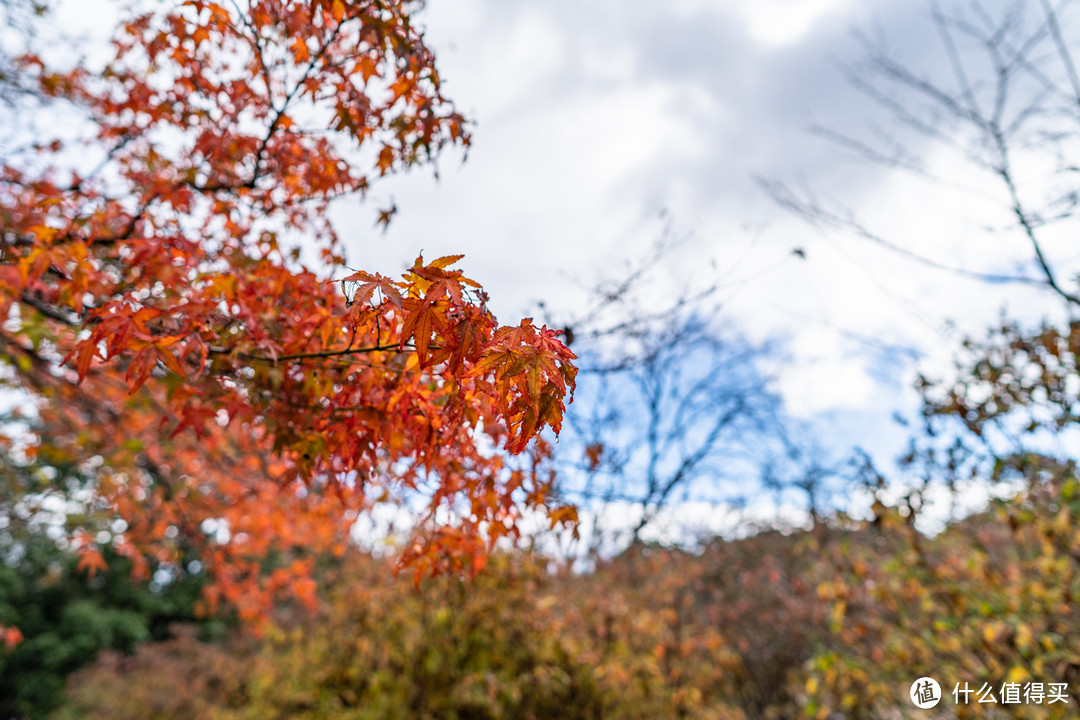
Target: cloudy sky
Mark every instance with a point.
(598, 123)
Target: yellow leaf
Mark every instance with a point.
(838, 611)
(1023, 636)
(1018, 674)
(446, 260)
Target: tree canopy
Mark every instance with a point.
(177, 334)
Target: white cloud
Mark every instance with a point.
(783, 22)
(826, 383)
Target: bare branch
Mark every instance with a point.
(815, 213)
(1063, 50)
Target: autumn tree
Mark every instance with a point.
(376, 649)
(175, 324)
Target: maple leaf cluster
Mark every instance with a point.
(232, 402)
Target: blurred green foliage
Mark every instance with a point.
(66, 618)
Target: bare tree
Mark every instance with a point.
(1005, 102)
(673, 406)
